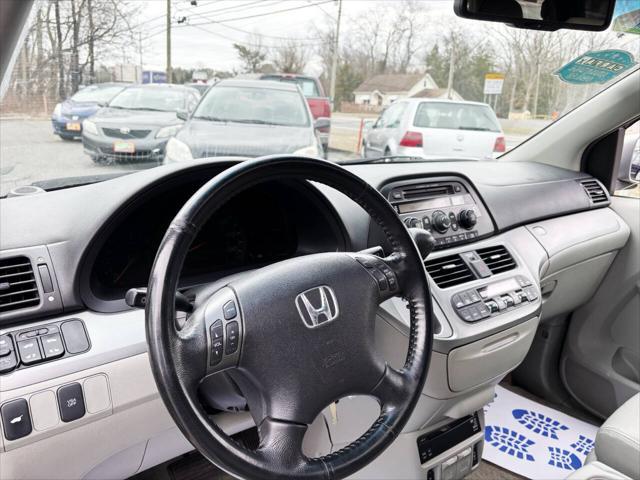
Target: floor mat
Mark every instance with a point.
(532, 440)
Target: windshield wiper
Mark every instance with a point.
(146, 109)
(253, 121)
(210, 119)
(385, 159)
(401, 159)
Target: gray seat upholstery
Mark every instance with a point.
(618, 440)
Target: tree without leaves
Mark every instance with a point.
(289, 57)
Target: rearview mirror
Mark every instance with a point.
(322, 123)
(182, 114)
(592, 15)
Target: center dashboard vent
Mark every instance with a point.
(426, 190)
(497, 258)
(449, 271)
(18, 287)
(595, 191)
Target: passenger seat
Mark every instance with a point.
(616, 455)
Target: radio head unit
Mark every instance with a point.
(447, 207)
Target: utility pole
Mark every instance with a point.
(452, 63)
(169, 73)
(334, 66)
(140, 51)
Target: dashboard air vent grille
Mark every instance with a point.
(18, 287)
(420, 191)
(449, 271)
(595, 191)
(497, 258)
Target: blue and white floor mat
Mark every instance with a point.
(532, 440)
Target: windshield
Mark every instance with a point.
(97, 94)
(253, 105)
(141, 98)
(403, 79)
(456, 116)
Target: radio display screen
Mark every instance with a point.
(499, 288)
(425, 205)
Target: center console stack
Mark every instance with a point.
(447, 206)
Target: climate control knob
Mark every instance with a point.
(441, 222)
(412, 222)
(467, 219)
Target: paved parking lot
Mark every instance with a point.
(30, 152)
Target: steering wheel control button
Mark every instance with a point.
(71, 402)
(216, 330)
(29, 351)
(74, 336)
(52, 345)
(16, 421)
(232, 337)
(229, 310)
(217, 347)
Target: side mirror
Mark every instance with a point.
(182, 114)
(368, 125)
(322, 123)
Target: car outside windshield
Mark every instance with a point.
(97, 94)
(456, 116)
(253, 105)
(161, 99)
(389, 53)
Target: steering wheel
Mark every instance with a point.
(295, 336)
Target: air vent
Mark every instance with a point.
(596, 193)
(421, 191)
(497, 258)
(18, 287)
(449, 271)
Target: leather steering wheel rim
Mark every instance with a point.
(176, 356)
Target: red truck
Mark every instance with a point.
(314, 93)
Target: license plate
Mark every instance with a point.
(124, 147)
(74, 127)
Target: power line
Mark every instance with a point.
(264, 14)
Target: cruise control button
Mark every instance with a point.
(232, 337)
(71, 402)
(29, 351)
(16, 421)
(52, 345)
(229, 310)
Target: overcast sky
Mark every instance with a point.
(213, 26)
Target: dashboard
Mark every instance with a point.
(504, 231)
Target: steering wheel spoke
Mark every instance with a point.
(393, 388)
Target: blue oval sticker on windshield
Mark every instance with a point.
(596, 67)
